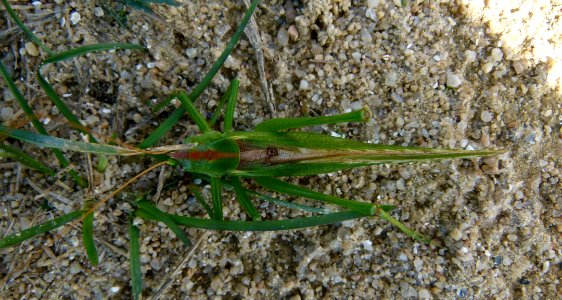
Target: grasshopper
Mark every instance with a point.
(225, 158)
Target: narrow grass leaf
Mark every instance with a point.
(176, 116)
(88, 234)
(280, 124)
(64, 144)
(26, 30)
(134, 258)
(244, 200)
(291, 189)
(267, 225)
(217, 198)
(36, 124)
(36, 230)
(26, 160)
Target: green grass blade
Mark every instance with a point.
(291, 189)
(134, 258)
(280, 124)
(176, 116)
(26, 160)
(268, 225)
(88, 235)
(306, 208)
(35, 122)
(229, 113)
(64, 144)
(244, 200)
(192, 111)
(161, 130)
(217, 198)
(26, 30)
(66, 112)
(220, 106)
(159, 215)
(201, 200)
(413, 234)
(36, 230)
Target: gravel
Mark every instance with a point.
(472, 74)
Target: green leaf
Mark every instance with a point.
(20, 156)
(88, 234)
(134, 258)
(36, 230)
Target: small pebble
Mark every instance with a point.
(470, 56)
(418, 264)
(303, 85)
(31, 49)
(424, 294)
(6, 114)
(373, 3)
(98, 11)
(487, 67)
(283, 37)
(453, 81)
(75, 17)
(497, 54)
(486, 116)
(456, 234)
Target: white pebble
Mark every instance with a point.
(390, 79)
(497, 54)
(453, 81)
(470, 56)
(31, 49)
(456, 234)
(487, 67)
(424, 294)
(366, 36)
(283, 37)
(373, 3)
(368, 245)
(418, 264)
(75, 17)
(371, 14)
(98, 11)
(303, 85)
(6, 114)
(486, 116)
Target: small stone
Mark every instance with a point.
(191, 52)
(6, 114)
(390, 79)
(75, 17)
(303, 85)
(486, 116)
(518, 67)
(470, 56)
(366, 36)
(487, 67)
(497, 54)
(456, 234)
(31, 49)
(75, 268)
(453, 81)
(98, 11)
(283, 37)
(373, 3)
(368, 245)
(418, 264)
(424, 294)
(512, 237)
(293, 33)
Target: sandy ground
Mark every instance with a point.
(466, 74)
